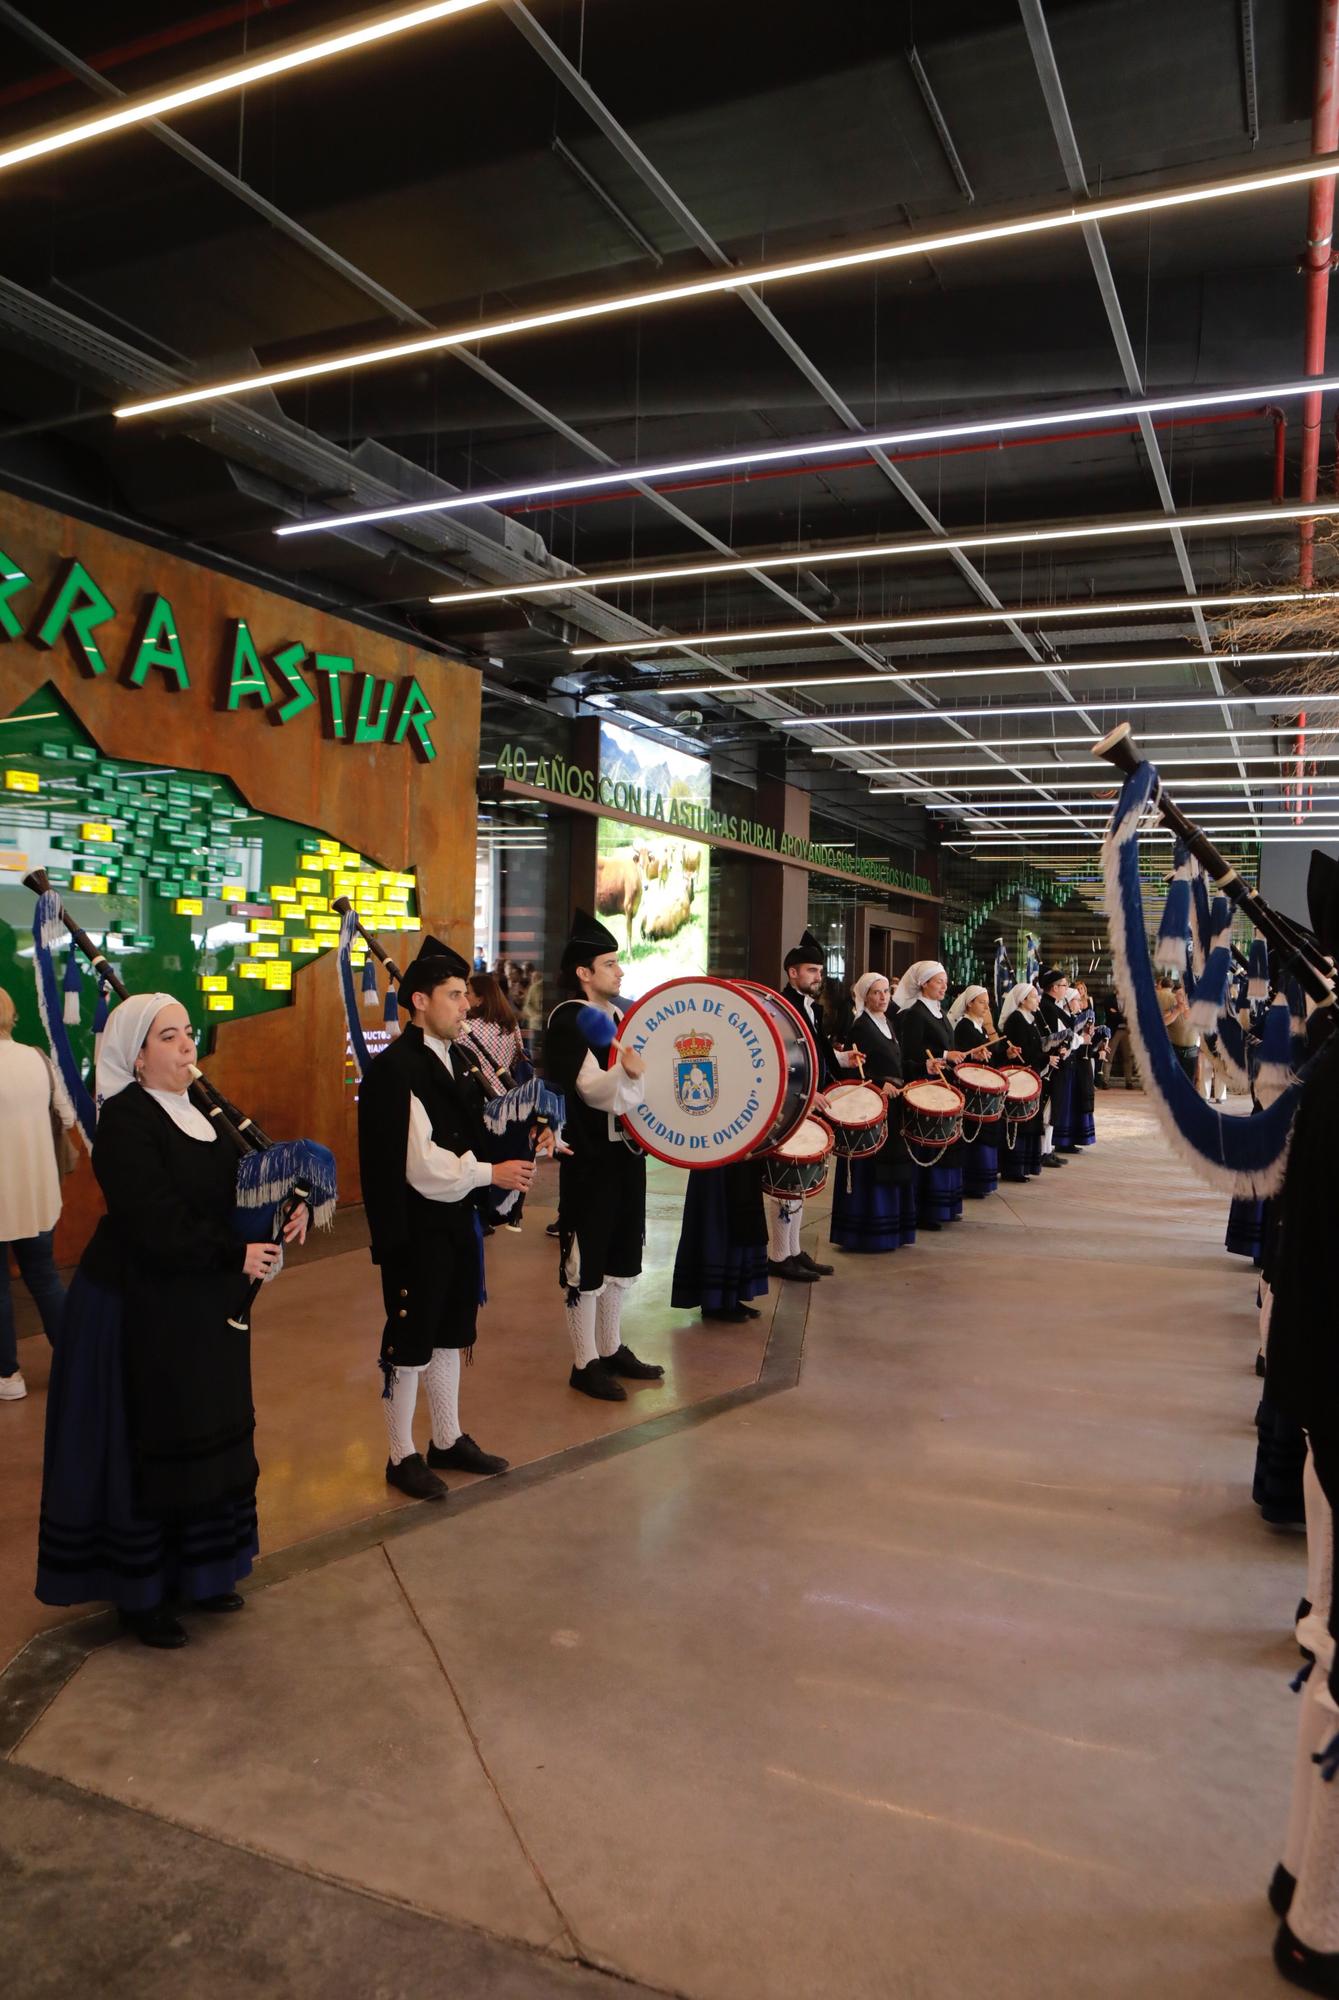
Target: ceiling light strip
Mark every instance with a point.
(821, 558)
(1033, 614)
(801, 683)
(220, 82)
(933, 244)
(845, 719)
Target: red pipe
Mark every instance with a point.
(1317, 264)
(144, 45)
(862, 460)
(1281, 451)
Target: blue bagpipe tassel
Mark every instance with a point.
(265, 1179)
(390, 1011)
(1032, 960)
(1257, 969)
(369, 981)
(1211, 988)
(1174, 930)
(72, 986)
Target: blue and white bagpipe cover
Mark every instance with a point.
(264, 1179)
(1247, 1156)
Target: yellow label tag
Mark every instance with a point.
(219, 1003)
(307, 885)
(189, 906)
(95, 829)
(264, 951)
(316, 902)
(246, 970)
(91, 885)
(323, 924)
(328, 846)
(304, 944)
(266, 927)
(22, 781)
(213, 982)
(233, 892)
(283, 893)
(279, 978)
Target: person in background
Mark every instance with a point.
(493, 1033)
(874, 1198)
(1181, 1032)
(926, 1042)
(1120, 1050)
(29, 1190)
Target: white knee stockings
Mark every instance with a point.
(609, 1316)
(581, 1311)
(443, 1382)
(783, 1229)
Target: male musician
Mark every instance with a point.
(602, 1180)
(1057, 1022)
(421, 1139)
(805, 968)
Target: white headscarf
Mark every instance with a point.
(909, 987)
(859, 992)
(1013, 999)
(964, 1001)
(123, 1037)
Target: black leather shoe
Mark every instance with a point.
(1313, 1971)
(732, 1315)
(625, 1363)
(465, 1456)
(157, 1628)
(927, 1225)
(792, 1268)
(226, 1600)
(1052, 1160)
(819, 1270)
(1281, 1890)
(595, 1380)
(412, 1476)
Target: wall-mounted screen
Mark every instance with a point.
(653, 884)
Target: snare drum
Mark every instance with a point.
(859, 1119)
(801, 1060)
(798, 1167)
(931, 1114)
(984, 1091)
(1023, 1094)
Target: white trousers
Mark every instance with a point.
(784, 1219)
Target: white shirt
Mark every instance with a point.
(611, 1090)
(430, 1170)
(187, 1116)
(29, 1182)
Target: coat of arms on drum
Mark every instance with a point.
(695, 1073)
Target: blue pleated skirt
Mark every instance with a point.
(1085, 1129)
(1062, 1109)
(871, 1214)
(711, 1270)
(939, 1193)
(1246, 1228)
(979, 1160)
(93, 1544)
(1023, 1159)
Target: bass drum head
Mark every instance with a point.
(717, 1072)
(801, 1052)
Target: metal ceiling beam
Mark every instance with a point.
(697, 234)
(1048, 76)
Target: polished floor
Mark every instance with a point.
(959, 1667)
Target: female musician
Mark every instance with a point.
(721, 1261)
(149, 1484)
(974, 1037)
(926, 1042)
(874, 1201)
(1084, 1064)
(1018, 1021)
(1055, 1019)
(493, 1032)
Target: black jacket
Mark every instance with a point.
(883, 1064)
(810, 1011)
(396, 1213)
(921, 1034)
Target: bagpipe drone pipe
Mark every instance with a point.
(516, 1109)
(274, 1177)
(1245, 1155)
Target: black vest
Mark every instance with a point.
(397, 1213)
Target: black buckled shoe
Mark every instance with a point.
(810, 1264)
(792, 1268)
(1313, 1971)
(157, 1628)
(1281, 1890)
(1052, 1160)
(624, 1362)
(595, 1380)
(412, 1476)
(465, 1456)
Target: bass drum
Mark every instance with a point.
(718, 1073)
(801, 1053)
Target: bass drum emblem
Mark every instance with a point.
(695, 1087)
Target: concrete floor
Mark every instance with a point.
(960, 1668)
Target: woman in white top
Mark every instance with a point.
(29, 1191)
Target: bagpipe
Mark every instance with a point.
(274, 1177)
(1247, 1155)
(516, 1109)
